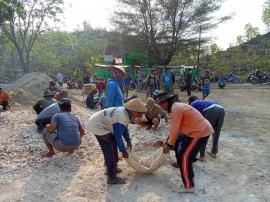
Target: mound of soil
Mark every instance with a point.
(29, 88)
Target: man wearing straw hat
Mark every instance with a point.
(110, 126)
(114, 93)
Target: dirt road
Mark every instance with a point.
(240, 173)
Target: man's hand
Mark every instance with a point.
(129, 146)
(158, 144)
(125, 155)
(166, 148)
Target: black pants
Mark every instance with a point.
(215, 116)
(110, 153)
(188, 88)
(41, 123)
(5, 104)
(186, 150)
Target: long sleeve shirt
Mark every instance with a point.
(113, 120)
(114, 95)
(187, 120)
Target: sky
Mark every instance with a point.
(98, 12)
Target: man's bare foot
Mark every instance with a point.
(212, 155)
(49, 154)
(71, 152)
(203, 159)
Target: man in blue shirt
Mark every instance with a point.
(64, 132)
(46, 115)
(114, 93)
(215, 114)
(167, 80)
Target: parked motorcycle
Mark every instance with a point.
(232, 78)
(257, 80)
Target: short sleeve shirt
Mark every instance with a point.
(206, 81)
(68, 129)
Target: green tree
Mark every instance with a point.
(53, 52)
(266, 14)
(23, 28)
(7, 7)
(251, 31)
(161, 24)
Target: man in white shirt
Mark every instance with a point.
(109, 126)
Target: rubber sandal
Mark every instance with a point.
(117, 180)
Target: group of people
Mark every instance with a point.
(190, 125)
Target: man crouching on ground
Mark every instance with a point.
(64, 132)
(109, 126)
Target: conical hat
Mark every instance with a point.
(136, 105)
(121, 68)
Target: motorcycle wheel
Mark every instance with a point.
(253, 81)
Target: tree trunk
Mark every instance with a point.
(24, 65)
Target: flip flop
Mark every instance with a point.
(117, 180)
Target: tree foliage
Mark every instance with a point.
(266, 14)
(251, 31)
(22, 27)
(161, 24)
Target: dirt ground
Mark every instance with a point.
(240, 173)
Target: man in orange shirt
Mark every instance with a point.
(188, 132)
(5, 99)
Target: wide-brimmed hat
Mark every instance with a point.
(89, 88)
(164, 96)
(136, 105)
(119, 67)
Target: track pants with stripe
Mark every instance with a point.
(186, 149)
(110, 153)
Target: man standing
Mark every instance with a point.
(188, 132)
(140, 80)
(205, 84)
(215, 114)
(5, 99)
(127, 83)
(167, 80)
(60, 78)
(188, 81)
(109, 126)
(64, 132)
(151, 83)
(114, 93)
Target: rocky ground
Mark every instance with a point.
(240, 173)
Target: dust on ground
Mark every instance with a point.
(240, 173)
